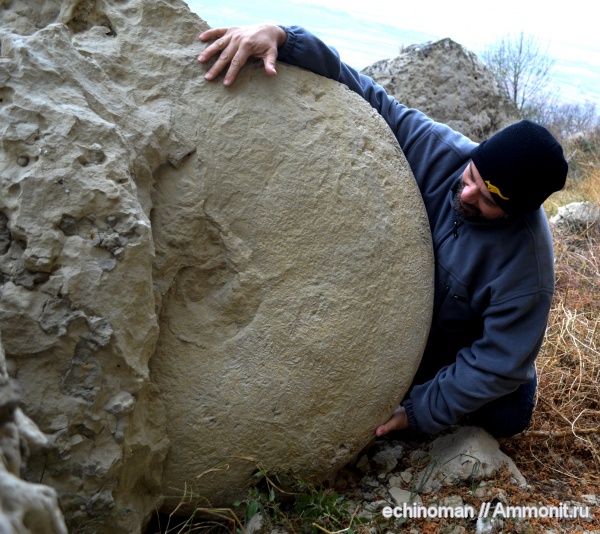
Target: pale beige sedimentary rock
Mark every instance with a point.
(194, 273)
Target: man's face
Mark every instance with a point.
(472, 199)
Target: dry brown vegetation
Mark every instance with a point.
(563, 444)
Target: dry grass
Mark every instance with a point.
(564, 439)
(583, 184)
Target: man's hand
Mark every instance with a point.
(237, 44)
(398, 421)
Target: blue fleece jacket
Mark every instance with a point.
(494, 281)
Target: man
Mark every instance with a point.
(494, 270)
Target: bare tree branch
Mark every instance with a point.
(522, 68)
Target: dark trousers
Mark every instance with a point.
(508, 415)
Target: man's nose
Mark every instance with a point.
(469, 193)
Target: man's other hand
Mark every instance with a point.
(398, 421)
(235, 45)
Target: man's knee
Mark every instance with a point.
(508, 415)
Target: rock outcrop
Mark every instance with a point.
(577, 217)
(448, 83)
(194, 277)
(24, 506)
(468, 455)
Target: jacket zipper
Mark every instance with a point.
(453, 232)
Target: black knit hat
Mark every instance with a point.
(522, 165)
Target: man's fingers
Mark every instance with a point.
(221, 62)
(382, 430)
(270, 61)
(236, 64)
(236, 59)
(213, 33)
(212, 49)
(398, 421)
(233, 46)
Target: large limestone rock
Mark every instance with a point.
(293, 267)
(77, 312)
(448, 83)
(470, 454)
(577, 217)
(191, 274)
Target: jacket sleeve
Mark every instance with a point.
(494, 366)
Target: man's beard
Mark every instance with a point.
(467, 212)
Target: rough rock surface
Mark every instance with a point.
(262, 248)
(448, 83)
(577, 217)
(24, 507)
(469, 454)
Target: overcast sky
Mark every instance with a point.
(476, 21)
(366, 31)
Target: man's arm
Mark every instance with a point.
(494, 366)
